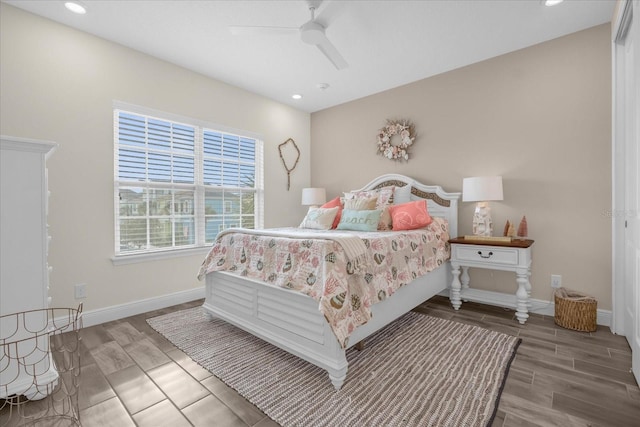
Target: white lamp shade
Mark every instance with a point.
(313, 196)
(482, 189)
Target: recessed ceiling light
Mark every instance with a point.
(322, 86)
(552, 2)
(296, 96)
(75, 7)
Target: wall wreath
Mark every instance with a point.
(404, 131)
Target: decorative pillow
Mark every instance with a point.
(402, 195)
(366, 220)
(385, 220)
(384, 195)
(385, 198)
(409, 216)
(361, 194)
(337, 202)
(319, 218)
(361, 204)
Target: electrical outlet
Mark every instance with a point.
(556, 280)
(80, 291)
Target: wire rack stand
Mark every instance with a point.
(40, 367)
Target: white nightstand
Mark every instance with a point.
(512, 256)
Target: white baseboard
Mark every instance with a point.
(107, 314)
(538, 306)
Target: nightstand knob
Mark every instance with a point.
(485, 256)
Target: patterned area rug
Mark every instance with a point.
(417, 371)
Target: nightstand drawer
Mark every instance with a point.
(487, 255)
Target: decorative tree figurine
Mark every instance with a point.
(512, 231)
(523, 230)
(506, 228)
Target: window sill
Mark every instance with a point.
(154, 256)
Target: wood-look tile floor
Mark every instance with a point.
(132, 376)
(559, 377)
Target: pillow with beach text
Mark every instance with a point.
(365, 220)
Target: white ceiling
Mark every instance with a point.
(386, 43)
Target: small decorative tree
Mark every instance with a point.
(523, 230)
(506, 228)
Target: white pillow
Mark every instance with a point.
(319, 218)
(402, 194)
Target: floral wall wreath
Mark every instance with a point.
(405, 131)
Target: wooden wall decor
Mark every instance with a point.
(287, 168)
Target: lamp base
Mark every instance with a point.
(482, 224)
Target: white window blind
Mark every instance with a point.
(179, 183)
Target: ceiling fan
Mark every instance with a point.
(311, 32)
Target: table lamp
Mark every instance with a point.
(313, 197)
(482, 189)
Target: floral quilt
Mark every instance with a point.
(319, 267)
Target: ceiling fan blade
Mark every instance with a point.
(239, 30)
(332, 54)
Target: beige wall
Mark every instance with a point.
(540, 117)
(59, 84)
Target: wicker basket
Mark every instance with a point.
(574, 310)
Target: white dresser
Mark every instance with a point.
(24, 271)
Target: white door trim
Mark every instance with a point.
(625, 170)
(620, 25)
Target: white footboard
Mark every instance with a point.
(284, 318)
(293, 322)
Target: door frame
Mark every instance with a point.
(625, 30)
(620, 26)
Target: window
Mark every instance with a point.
(178, 182)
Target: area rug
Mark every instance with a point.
(417, 371)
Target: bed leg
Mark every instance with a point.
(359, 345)
(208, 314)
(337, 377)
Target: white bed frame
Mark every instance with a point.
(293, 322)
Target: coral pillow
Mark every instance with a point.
(337, 202)
(409, 216)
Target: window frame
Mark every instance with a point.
(199, 187)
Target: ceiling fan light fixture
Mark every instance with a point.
(312, 33)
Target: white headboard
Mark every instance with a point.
(439, 202)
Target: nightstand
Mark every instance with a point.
(512, 256)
